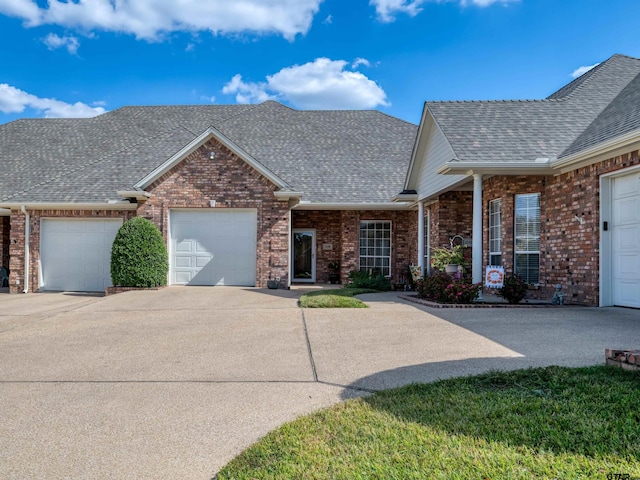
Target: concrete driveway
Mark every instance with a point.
(175, 383)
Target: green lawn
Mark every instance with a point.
(551, 423)
(335, 298)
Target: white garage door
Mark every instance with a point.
(213, 247)
(626, 240)
(75, 255)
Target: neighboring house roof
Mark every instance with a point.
(328, 156)
(586, 111)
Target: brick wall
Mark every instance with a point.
(569, 247)
(342, 230)
(506, 188)
(5, 226)
(232, 183)
(451, 215)
(328, 231)
(16, 252)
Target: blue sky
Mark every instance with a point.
(82, 57)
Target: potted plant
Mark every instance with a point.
(513, 290)
(447, 259)
(334, 272)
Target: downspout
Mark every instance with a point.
(27, 232)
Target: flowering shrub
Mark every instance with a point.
(444, 288)
(513, 290)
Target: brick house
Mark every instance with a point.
(242, 194)
(549, 189)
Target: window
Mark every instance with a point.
(375, 247)
(495, 232)
(527, 237)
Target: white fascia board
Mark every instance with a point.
(5, 212)
(211, 132)
(414, 151)
(69, 206)
(137, 194)
(496, 168)
(287, 195)
(353, 206)
(405, 197)
(601, 151)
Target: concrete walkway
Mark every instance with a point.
(175, 383)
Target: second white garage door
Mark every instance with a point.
(213, 247)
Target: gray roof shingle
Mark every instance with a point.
(519, 131)
(330, 156)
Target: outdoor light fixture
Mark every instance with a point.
(212, 154)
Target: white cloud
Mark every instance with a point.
(207, 99)
(53, 41)
(150, 19)
(328, 20)
(360, 61)
(14, 100)
(247, 92)
(321, 84)
(582, 70)
(388, 9)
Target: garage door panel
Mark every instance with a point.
(183, 262)
(221, 247)
(75, 254)
(202, 261)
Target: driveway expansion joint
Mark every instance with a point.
(306, 336)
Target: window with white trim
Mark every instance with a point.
(375, 246)
(527, 237)
(495, 232)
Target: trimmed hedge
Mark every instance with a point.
(139, 256)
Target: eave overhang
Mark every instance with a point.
(456, 167)
(405, 197)
(287, 195)
(611, 148)
(111, 205)
(138, 195)
(353, 206)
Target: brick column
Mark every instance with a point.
(16, 252)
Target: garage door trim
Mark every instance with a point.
(606, 237)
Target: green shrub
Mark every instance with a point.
(513, 290)
(444, 288)
(139, 256)
(372, 280)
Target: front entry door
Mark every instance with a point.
(304, 255)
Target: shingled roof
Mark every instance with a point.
(597, 106)
(329, 156)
